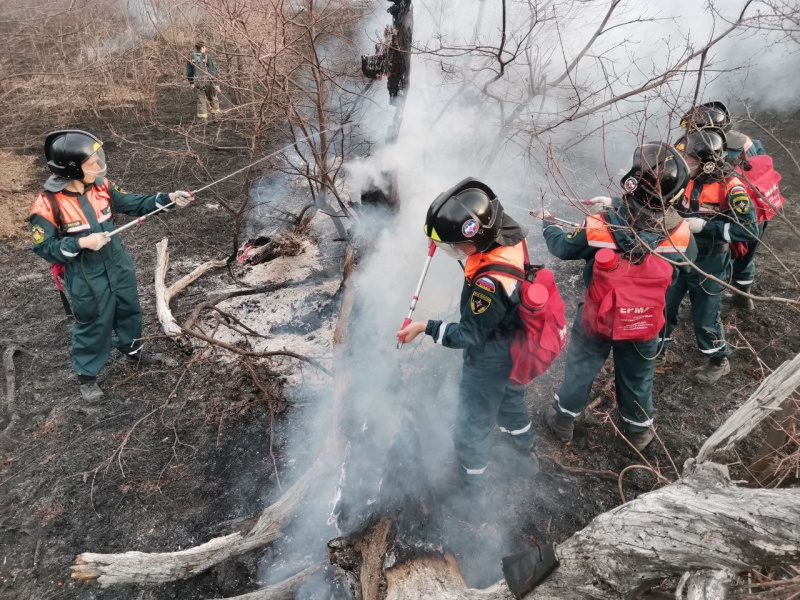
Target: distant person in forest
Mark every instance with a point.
(70, 222)
(202, 74)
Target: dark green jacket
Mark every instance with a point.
(737, 222)
(649, 226)
(200, 65)
(486, 325)
(95, 216)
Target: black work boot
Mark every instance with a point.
(90, 391)
(717, 367)
(640, 439)
(743, 302)
(561, 425)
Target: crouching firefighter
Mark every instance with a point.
(719, 211)
(626, 283)
(468, 223)
(70, 221)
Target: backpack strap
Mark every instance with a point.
(56, 212)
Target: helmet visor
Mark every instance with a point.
(95, 165)
(459, 251)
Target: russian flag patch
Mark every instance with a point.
(486, 284)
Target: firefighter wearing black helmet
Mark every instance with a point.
(70, 221)
(468, 222)
(719, 211)
(641, 225)
(740, 147)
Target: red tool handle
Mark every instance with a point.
(406, 323)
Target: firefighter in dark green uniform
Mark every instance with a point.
(202, 74)
(719, 211)
(468, 222)
(70, 221)
(740, 147)
(641, 224)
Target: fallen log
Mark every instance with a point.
(702, 526)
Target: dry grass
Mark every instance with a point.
(17, 191)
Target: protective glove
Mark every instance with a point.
(181, 198)
(545, 216)
(696, 224)
(604, 201)
(94, 241)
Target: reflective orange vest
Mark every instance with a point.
(599, 235)
(713, 197)
(513, 256)
(73, 220)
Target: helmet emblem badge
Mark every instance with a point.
(630, 184)
(470, 228)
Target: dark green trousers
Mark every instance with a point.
(486, 398)
(706, 298)
(105, 303)
(633, 376)
(744, 267)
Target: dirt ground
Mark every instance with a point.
(192, 434)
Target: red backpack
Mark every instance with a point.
(762, 176)
(626, 301)
(544, 323)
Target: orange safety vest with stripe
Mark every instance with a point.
(72, 218)
(512, 256)
(713, 197)
(599, 235)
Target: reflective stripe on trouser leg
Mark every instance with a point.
(525, 429)
(483, 392)
(633, 380)
(585, 358)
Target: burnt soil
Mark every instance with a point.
(193, 434)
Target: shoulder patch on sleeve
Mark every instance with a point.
(117, 189)
(37, 234)
(486, 284)
(479, 303)
(741, 203)
(738, 189)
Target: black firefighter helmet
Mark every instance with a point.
(470, 213)
(709, 114)
(709, 145)
(658, 176)
(66, 151)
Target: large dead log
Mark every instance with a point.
(703, 526)
(701, 523)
